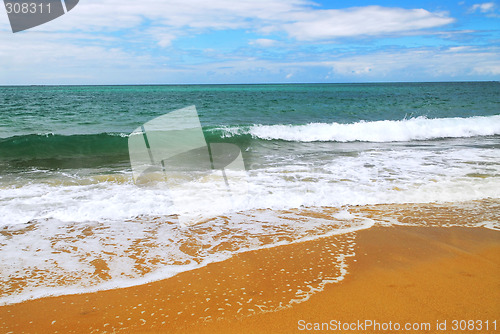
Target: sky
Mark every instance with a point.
(256, 41)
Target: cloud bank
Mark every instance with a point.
(226, 41)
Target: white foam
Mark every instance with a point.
(80, 203)
(420, 128)
(52, 251)
(492, 225)
(406, 175)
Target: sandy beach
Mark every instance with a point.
(422, 275)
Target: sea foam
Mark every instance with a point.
(420, 128)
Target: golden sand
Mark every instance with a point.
(399, 274)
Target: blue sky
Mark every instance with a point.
(256, 41)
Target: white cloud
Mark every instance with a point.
(361, 21)
(163, 38)
(263, 42)
(112, 15)
(418, 64)
(300, 19)
(396, 65)
(485, 7)
(58, 64)
(27, 60)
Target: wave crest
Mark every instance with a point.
(420, 128)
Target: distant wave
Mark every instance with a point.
(420, 128)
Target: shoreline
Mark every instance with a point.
(398, 274)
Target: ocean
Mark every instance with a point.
(319, 160)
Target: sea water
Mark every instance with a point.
(69, 206)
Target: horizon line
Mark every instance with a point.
(247, 84)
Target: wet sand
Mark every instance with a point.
(395, 274)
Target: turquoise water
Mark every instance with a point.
(60, 127)
(65, 169)
(110, 109)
